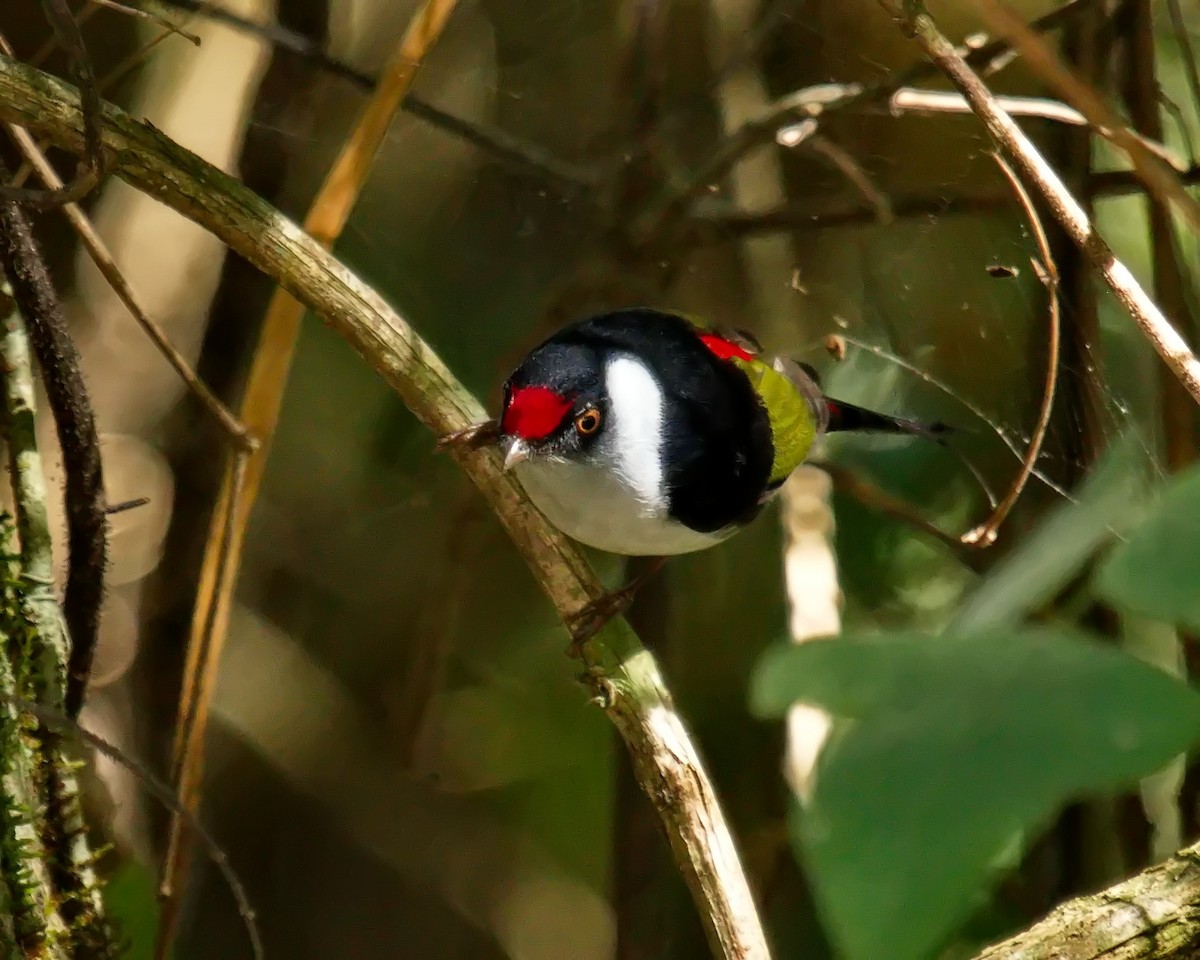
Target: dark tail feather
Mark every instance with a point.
(846, 416)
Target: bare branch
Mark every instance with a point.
(1066, 209)
(1159, 178)
(168, 25)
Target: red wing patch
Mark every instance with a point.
(725, 349)
(534, 412)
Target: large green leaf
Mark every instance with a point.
(946, 750)
(1064, 541)
(1157, 571)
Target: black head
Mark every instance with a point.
(555, 403)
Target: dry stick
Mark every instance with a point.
(1066, 209)
(623, 674)
(1158, 177)
(103, 259)
(162, 21)
(261, 404)
(1047, 273)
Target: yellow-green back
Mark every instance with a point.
(793, 423)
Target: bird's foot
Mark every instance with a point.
(586, 623)
(589, 621)
(474, 437)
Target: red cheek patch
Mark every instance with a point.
(725, 349)
(534, 412)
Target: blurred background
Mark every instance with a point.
(401, 762)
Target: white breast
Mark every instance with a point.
(617, 499)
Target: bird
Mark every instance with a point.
(646, 433)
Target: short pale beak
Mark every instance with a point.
(517, 452)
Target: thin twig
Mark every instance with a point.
(875, 498)
(91, 168)
(573, 181)
(66, 391)
(1066, 209)
(852, 170)
(764, 129)
(972, 408)
(261, 404)
(102, 257)
(1047, 273)
(152, 17)
(622, 673)
(1157, 175)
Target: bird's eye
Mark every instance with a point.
(588, 422)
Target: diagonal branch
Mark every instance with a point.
(623, 675)
(1159, 178)
(1152, 916)
(1038, 173)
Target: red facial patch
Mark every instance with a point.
(725, 349)
(534, 412)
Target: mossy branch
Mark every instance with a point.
(51, 895)
(624, 676)
(1152, 916)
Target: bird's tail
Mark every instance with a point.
(846, 416)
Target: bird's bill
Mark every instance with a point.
(518, 451)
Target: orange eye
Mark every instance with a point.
(588, 422)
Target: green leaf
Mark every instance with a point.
(1157, 571)
(945, 751)
(1047, 559)
(131, 900)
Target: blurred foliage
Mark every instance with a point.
(404, 763)
(946, 752)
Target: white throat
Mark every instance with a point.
(617, 499)
(632, 443)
